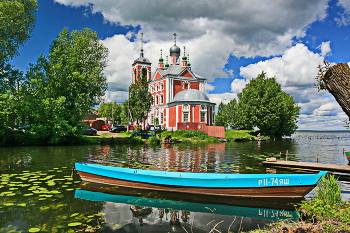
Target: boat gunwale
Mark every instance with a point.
(196, 175)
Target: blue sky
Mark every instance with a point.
(228, 42)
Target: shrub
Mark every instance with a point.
(154, 140)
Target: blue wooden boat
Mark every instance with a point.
(143, 135)
(235, 185)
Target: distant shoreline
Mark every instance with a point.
(325, 131)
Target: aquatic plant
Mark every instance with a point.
(39, 198)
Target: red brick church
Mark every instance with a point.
(178, 93)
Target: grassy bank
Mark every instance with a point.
(27, 138)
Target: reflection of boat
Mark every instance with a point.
(108, 194)
(236, 185)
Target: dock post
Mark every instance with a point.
(287, 155)
(317, 156)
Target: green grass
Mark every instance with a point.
(230, 133)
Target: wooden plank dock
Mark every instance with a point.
(334, 168)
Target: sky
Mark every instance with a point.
(227, 42)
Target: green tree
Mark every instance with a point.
(263, 104)
(17, 22)
(111, 110)
(63, 86)
(140, 99)
(221, 118)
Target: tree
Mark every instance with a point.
(221, 117)
(111, 110)
(63, 86)
(140, 99)
(263, 104)
(17, 21)
(336, 81)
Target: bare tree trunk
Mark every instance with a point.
(337, 82)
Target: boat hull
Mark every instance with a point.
(221, 184)
(259, 192)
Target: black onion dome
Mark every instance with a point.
(175, 51)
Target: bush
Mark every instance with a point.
(154, 140)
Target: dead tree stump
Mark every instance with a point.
(337, 82)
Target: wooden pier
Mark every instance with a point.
(333, 168)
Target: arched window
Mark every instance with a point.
(157, 99)
(161, 86)
(144, 72)
(161, 99)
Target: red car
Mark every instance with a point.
(105, 127)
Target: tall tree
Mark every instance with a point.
(111, 110)
(221, 118)
(263, 104)
(140, 100)
(70, 78)
(17, 22)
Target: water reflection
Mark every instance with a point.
(25, 211)
(155, 210)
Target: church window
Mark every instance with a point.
(161, 86)
(185, 116)
(144, 72)
(157, 99)
(161, 99)
(203, 108)
(203, 116)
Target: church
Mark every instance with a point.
(178, 93)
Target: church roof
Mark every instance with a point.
(142, 59)
(192, 95)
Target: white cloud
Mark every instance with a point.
(325, 48)
(223, 97)
(237, 85)
(243, 28)
(344, 19)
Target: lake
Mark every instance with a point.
(39, 194)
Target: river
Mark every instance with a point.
(38, 193)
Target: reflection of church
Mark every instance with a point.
(178, 93)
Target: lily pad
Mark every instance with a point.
(34, 229)
(8, 204)
(28, 194)
(74, 224)
(75, 214)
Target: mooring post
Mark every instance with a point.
(287, 155)
(316, 156)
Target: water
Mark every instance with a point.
(38, 193)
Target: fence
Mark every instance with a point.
(214, 131)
